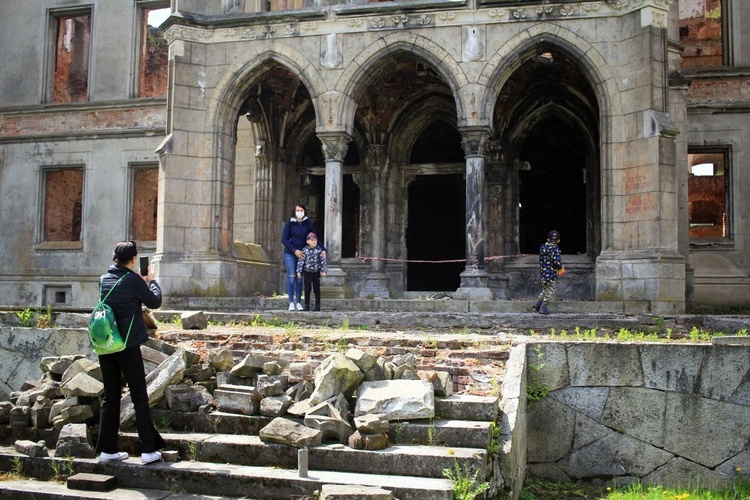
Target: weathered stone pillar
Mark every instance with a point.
(335, 145)
(474, 280)
(376, 283)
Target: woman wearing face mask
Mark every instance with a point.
(293, 237)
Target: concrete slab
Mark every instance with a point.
(91, 482)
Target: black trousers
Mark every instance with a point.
(312, 281)
(129, 362)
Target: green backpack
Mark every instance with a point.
(104, 336)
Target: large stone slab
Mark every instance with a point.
(614, 455)
(637, 412)
(672, 367)
(694, 421)
(725, 375)
(551, 427)
(169, 372)
(396, 399)
(587, 400)
(604, 365)
(687, 474)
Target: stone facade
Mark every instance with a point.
(413, 131)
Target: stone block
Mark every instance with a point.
(271, 385)
(243, 402)
(602, 365)
(195, 320)
(77, 414)
(84, 481)
(284, 431)
(275, 406)
(20, 417)
(32, 449)
(226, 378)
(74, 441)
(360, 441)
(83, 365)
(396, 399)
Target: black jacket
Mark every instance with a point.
(126, 299)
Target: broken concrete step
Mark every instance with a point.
(467, 407)
(427, 461)
(214, 422)
(228, 480)
(455, 433)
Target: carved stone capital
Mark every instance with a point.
(375, 155)
(335, 146)
(474, 141)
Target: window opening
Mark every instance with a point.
(701, 33)
(144, 203)
(707, 195)
(63, 196)
(72, 47)
(152, 80)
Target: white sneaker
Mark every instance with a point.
(147, 458)
(299, 307)
(291, 306)
(113, 457)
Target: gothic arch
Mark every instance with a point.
(354, 80)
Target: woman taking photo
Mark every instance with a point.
(294, 238)
(130, 291)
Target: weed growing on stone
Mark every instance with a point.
(398, 431)
(431, 432)
(26, 317)
(192, 450)
(56, 469)
(534, 390)
(44, 319)
(465, 485)
(494, 447)
(165, 422)
(16, 468)
(69, 465)
(344, 323)
(742, 333)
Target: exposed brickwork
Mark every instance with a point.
(63, 191)
(71, 81)
(154, 64)
(46, 123)
(143, 217)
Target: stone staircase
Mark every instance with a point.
(221, 455)
(240, 465)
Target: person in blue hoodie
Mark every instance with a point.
(550, 267)
(294, 238)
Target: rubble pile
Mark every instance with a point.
(348, 398)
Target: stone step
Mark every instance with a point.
(441, 432)
(451, 433)
(222, 479)
(467, 407)
(428, 461)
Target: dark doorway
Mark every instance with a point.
(436, 221)
(313, 195)
(553, 192)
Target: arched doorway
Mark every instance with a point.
(548, 117)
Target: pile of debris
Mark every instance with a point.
(308, 405)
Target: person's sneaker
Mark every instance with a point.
(543, 310)
(299, 307)
(113, 457)
(537, 305)
(147, 458)
(291, 306)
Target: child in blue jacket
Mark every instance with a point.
(310, 267)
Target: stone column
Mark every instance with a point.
(474, 280)
(376, 282)
(335, 145)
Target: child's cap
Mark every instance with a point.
(553, 235)
(312, 236)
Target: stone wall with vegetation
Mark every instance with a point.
(668, 414)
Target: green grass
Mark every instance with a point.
(538, 489)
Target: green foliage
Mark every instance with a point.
(494, 447)
(16, 468)
(431, 433)
(398, 431)
(26, 317)
(465, 486)
(192, 450)
(534, 390)
(344, 323)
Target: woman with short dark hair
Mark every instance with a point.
(131, 290)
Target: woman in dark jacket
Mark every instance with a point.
(125, 301)
(294, 238)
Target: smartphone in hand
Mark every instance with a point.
(144, 266)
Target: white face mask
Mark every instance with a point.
(300, 215)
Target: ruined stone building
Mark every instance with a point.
(425, 130)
